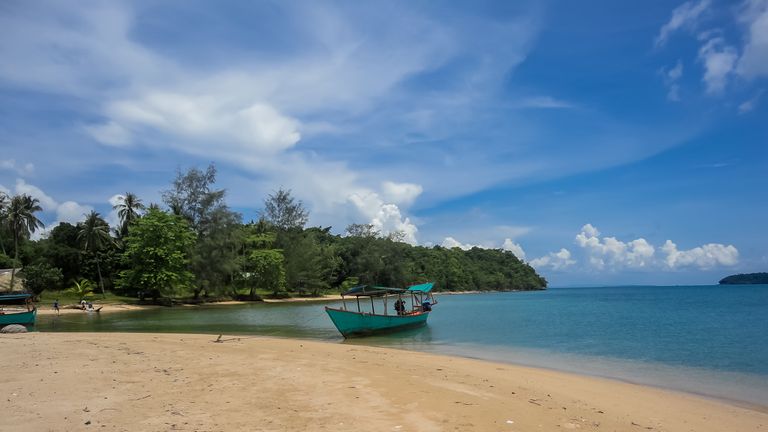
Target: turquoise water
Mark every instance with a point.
(711, 340)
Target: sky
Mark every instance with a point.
(602, 142)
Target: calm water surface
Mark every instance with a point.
(711, 340)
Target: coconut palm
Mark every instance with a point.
(4, 203)
(128, 210)
(93, 236)
(23, 222)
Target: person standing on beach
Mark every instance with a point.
(56, 306)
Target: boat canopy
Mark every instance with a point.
(425, 287)
(14, 298)
(378, 291)
(371, 291)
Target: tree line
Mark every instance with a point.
(194, 245)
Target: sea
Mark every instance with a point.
(707, 340)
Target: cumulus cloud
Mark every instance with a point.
(401, 193)
(613, 252)
(386, 218)
(67, 211)
(719, 61)
(684, 15)
(610, 253)
(704, 257)
(513, 247)
(559, 260)
(72, 212)
(46, 202)
(450, 243)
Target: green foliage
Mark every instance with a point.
(745, 278)
(94, 236)
(266, 269)
(213, 258)
(82, 289)
(128, 208)
(40, 277)
(283, 211)
(19, 214)
(157, 255)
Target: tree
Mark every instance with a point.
(267, 269)
(362, 230)
(284, 212)
(213, 258)
(5, 202)
(128, 207)
(39, 277)
(93, 236)
(23, 222)
(157, 255)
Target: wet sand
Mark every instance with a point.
(159, 382)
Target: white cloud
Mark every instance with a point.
(559, 260)
(11, 165)
(704, 257)
(671, 78)
(386, 218)
(450, 243)
(719, 62)
(46, 202)
(72, 212)
(253, 128)
(686, 14)
(543, 102)
(609, 251)
(109, 133)
(750, 104)
(513, 247)
(401, 193)
(754, 58)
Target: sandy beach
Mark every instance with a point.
(159, 382)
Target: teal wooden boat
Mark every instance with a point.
(24, 315)
(397, 315)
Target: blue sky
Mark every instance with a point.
(603, 142)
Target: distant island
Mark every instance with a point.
(742, 279)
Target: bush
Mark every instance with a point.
(40, 277)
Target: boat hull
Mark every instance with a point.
(354, 324)
(23, 318)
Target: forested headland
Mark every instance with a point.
(745, 279)
(192, 245)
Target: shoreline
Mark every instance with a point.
(123, 307)
(165, 381)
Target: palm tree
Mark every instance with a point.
(23, 222)
(128, 211)
(4, 202)
(93, 235)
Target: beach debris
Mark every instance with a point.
(639, 425)
(510, 422)
(86, 409)
(88, 422)
(534, 401)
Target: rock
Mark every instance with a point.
(13, 328)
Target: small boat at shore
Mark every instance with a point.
(351, 323)
(23, 313)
